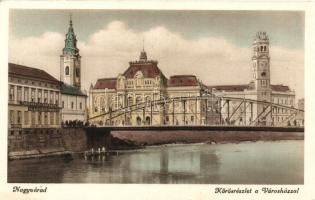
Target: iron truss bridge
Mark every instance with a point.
(202, 110)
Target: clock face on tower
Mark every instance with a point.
(263, 64)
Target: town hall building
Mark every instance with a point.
(144, 82)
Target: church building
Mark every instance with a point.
(73, 99)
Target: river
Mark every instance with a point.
(276, 162)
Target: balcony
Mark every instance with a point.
(40, 106)
(16, 125)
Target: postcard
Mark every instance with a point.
(156, 100)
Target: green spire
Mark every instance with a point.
(71, 41)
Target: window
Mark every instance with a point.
(264, 48)
(26, 117)
(63, 104)
(148, 100)
(39, 99)
(45, 96)
(19, 93)
(11, 95)
(57, 118)
(57, 98)
(46, 118)
(77, 72)
(11, 116)
(67, 70)
(263, 83)
(33, 117)
(130, 101)
(26, 94)
(52, 118)
(33, 95)
(51, 100)
(39, 118)
(80, 105)
(19, 117)
(138, 100)
(72, 105)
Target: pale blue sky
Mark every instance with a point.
(286, 27)
(216, 46)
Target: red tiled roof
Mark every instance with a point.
(20, 70)
(229, 88)
(103, 83)
(238, 88)
(182, 80)
(148, 69)
(280, 88)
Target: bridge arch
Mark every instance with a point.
(207, 110)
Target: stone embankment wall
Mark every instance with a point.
(27, 143)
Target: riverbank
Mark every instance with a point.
(146, 138)
(75, 140)
(38, 153)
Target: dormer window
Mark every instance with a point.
(139, 74)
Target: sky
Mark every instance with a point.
(216, 46)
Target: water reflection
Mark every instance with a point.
(260, 163)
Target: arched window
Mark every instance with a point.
(77, 72)
(261, 48)
(67, 70)
(138, 100)
(265, 48)
(130, 101)
(148, 100)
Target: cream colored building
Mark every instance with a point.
(259, 89)
(34, 99)
(144, 82)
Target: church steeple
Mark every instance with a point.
(70, 60)
(71, 41)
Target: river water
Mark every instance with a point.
(277, 162)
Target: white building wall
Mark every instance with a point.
(74, 107)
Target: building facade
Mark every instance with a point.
(259, 89)
(34, 99)
(143, 82)
(72, 97)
